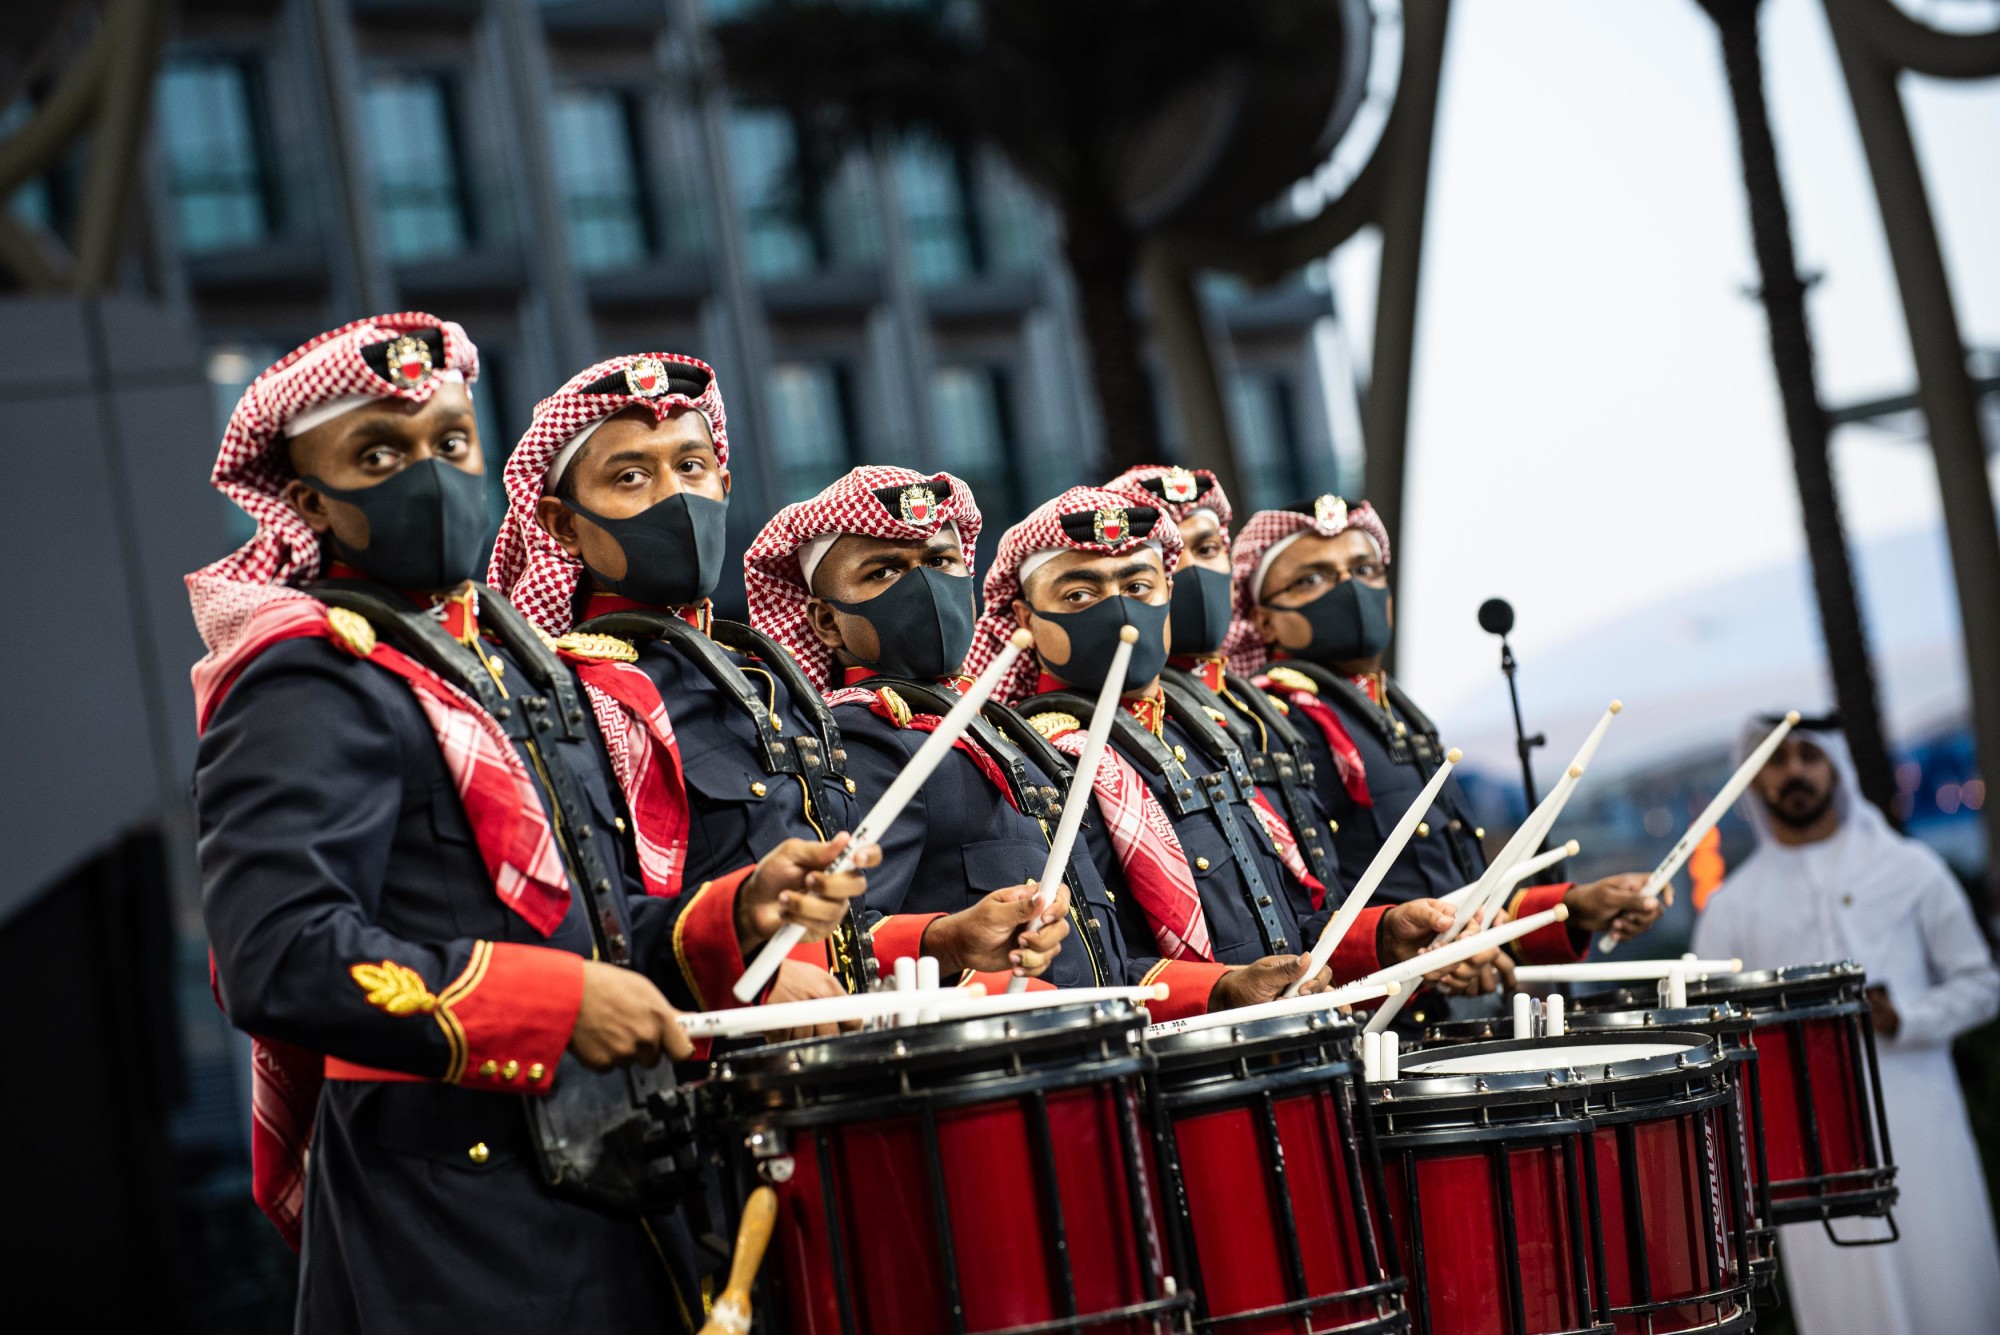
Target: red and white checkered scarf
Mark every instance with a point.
(776, 583)
(541, 579)
(1327, 517)
(1156, 867)
(247, 602)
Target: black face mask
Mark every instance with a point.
(1200, 610)
(427, 526)
(1349, 622)
(923, 624)
(1093, 638)
(673, 550)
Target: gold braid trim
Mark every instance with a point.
(596, 648)
(1054, 724)
(1292, 679)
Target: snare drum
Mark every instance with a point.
(1275, 1179)
(971, 1176)
(1572, 1184)
(1730, 1026)
(1826, 1133)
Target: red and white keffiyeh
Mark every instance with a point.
(1175, 491)
(253, 466)
(1084, 519)
(1263, 534)
(528, 565)
(540, 579)
(876, 501)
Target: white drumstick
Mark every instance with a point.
(889, 806)
(1612, 971)
(951, 1003)
(1443, 957)
(1678, 855)
(1264, 1010)
(1543, 819)
(1378, 867)
(1086, 770)
(1520, 871)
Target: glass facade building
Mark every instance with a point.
(571, 178)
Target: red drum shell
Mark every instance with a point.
(1579, 1193)
(1009, 1156)
(1826, 1148)
(1275, 1166)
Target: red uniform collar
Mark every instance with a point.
(596, 604)
(1150, 710)
(854, 676)
(1207, 667)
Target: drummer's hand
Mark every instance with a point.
(1408, 928)
(623, 1019)
(1266, 980)
(1483, 973)
(799, 981)
(1614, 903)
(792, 885)
(993, 935)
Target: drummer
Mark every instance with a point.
(870, 585)
(1213, 867)
(617, 495)
(1202, 621)
(1312, 587)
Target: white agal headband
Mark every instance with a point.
(320, 414)
(813, 550)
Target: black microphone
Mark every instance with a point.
(1496, 617)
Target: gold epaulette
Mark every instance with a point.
(351, 631)
(548, 640)
(1292, 679)
(1054, 724)
(596, 648)
(1279, 705)
(899, 709)
(1221, 719)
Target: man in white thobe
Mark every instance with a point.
(1830, 880)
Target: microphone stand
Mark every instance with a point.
(1524, 745)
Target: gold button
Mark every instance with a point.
(1333, 827)
(1201, 864)
(1400, 730)
(1479, 832)
(757, 788)
(490, 1069)
(849, 783)
(1180, 754)
(619, 821)
(1423, 829)
(499, 668)
(510, 1070)
(479, 1153)
(537, 1071)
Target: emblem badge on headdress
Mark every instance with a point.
(1179, 485)
(409, 362)
(918, 504)
(1330, 512)
(1109, 525)
(646, 377)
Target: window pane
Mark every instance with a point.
(32, 202)
(810, 420)
(970, 406)
(1261, 411)
(1010, 219)
(407, 123)
(935, 217)
(598, 166)
(763, 151)
(215, 166)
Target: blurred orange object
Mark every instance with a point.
(1706, 868)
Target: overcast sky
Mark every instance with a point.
(1595, 423)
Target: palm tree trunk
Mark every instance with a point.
(1103, 257)
(1784, 296)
